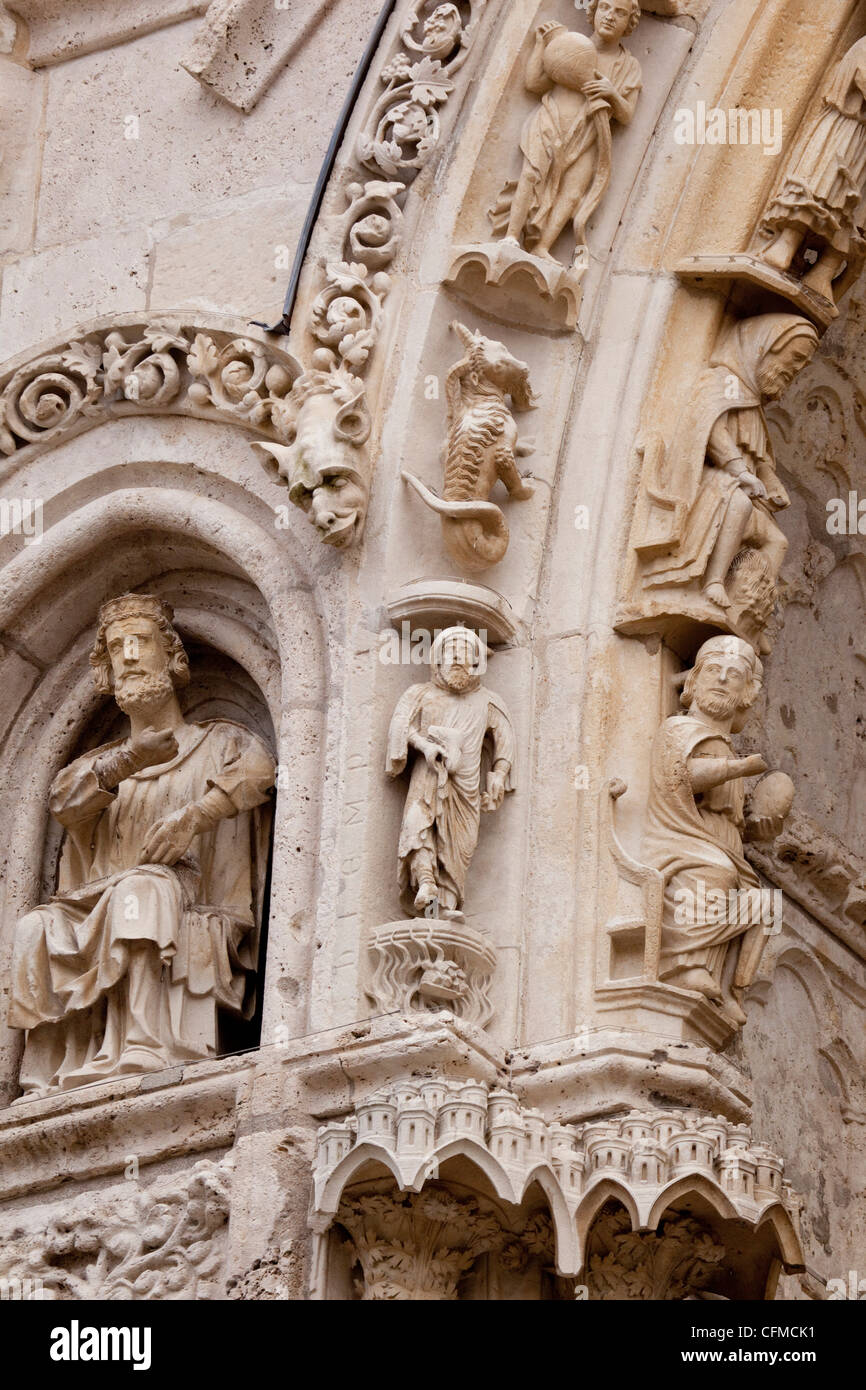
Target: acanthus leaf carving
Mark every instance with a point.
(139, 366)
(160, 1242)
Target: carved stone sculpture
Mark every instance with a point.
(697, 818)
(417, 1246)
(481, 449)
(153, 926)
(671, 1264)
(712, 496)
(156, 1243)
(583, 84)
(324, 467)
(816, 207)
(446, 723)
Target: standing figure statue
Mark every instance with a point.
(820, 201)
(446, 723)
(154, 924)
(697, 818)
(721, 465)
(584, 84)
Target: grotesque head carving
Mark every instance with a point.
(324, 467)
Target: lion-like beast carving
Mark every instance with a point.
(482, 447)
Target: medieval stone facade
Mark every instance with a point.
(432, 752)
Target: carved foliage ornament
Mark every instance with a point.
(164, 1242)
(160, 365)
(401, 134)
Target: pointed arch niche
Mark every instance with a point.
(180, 508)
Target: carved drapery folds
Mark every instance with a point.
(705, 543)
(161, 1242)
(807, 248)
(455, 738)
(154, 925)
(583, 86)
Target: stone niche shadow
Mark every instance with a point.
(219, 688)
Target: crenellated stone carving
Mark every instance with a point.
(644, 1157)
(154, 924)
(133, 366)
(160, 1242)
(583, 85)
(704, 537)
(482, 449)
(324, 467)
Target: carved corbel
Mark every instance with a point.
(324, 465)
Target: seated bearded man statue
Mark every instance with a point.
(153, 927)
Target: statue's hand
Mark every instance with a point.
(763, 828)
(602, 88)
(752, 485)
(153, 746)
(169, 839)
(494, 794)
(752, 766)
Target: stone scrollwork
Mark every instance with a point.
(134, 366)
(482, 449)
(161, 1242)
(401, 134)
(347, 312)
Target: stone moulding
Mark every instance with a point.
(647, 1160)
(131, 365)
(90, 1133)
(428, 604)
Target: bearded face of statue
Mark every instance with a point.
(457, 667)
(778, 369)
(139, 663)
(720, 686)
